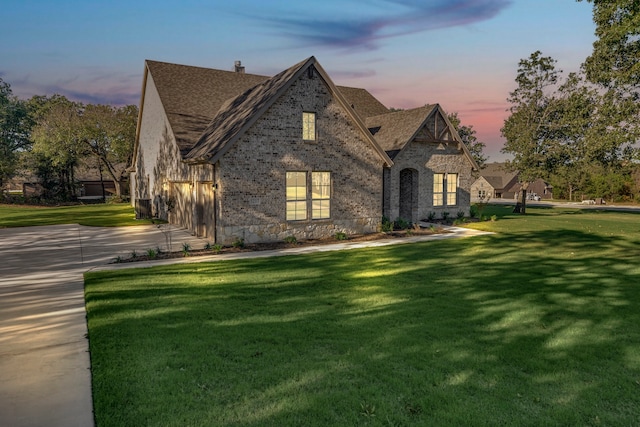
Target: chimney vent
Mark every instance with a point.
(238, 67)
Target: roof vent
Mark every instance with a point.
(238, 67)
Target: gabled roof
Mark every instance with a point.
(191, 96)
(395, 130)
(238, 114)
(498, 176)
(363, 103)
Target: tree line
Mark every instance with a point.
(581, 133)
(51, 137)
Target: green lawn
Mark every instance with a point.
(536, 325)
(97, 215)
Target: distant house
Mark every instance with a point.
(231, 155)
(497, 182)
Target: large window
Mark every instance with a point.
(296, 196)
(309, 126)
(452, 189)
(445, 189)
(320, 195)
(438, 189)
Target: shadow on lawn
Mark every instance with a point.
(437, 332)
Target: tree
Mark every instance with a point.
(69, 133)
(530, 130)
(615, 61)
(14, 131)
(468, 137)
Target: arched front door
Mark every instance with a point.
(409, 195)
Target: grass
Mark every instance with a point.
(97, 215)
(536, 325)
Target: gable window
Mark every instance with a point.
(320, 195)
(296, 183)
(438, 189)
(309, 126)
(452, 189)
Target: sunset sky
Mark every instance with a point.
(462, 54)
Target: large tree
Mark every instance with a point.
(69, 134)
(531, 129)
(615, 61)
(469, 138)
(14, 131)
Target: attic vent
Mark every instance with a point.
(310, 71)
(238, 67)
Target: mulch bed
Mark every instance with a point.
(399, 234)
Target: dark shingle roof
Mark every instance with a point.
(394, 130)
(191, 96)
(498, 176)
(239, 112)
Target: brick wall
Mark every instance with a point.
(250, 177)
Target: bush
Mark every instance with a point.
(290, 239)
(432, 216)
(474, 212)
(494, 218)
(402, 224)
(340, 236)
(238, 243)
(216, 248)
(386, 225)
(460, 215)
(152, 253)
(445, 215)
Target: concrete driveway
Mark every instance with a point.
(45, 377)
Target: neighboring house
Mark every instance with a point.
(497, 182)
(232, 156)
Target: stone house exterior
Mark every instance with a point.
(234, 156)
(498, 182)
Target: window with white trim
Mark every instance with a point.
(309, 126)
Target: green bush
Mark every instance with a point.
(340, 236)
(402, 224)
(290, 239)
(432, 216)
(386, 225)
(238, 243)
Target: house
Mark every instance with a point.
(234, 156)
(496, 181)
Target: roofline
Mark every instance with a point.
(334, 91)
(354, 116)
(136, 141)
(456, 136)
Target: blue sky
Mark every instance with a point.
(462, 54)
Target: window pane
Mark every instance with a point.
(296, 210)
(321, 209)
(309, 126)
(437, 199)
(321, 185)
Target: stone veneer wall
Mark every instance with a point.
(429, 158)
(250, 177)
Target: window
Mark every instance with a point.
(320, 195)
(309, 126)
(452, 189)
(438, 189)
(296, 196)
(482, 194)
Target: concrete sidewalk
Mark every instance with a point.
(45, 377)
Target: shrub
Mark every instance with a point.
(432, 216)
(151, 253)
(445, 215)
(386, 225)
(238, 243)
(402, 224)
(134, 254)
(290, 239)
(186, 248)
(207, 246)
(216, 248)
(340, 236)
(460, 215)
(494, 218)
